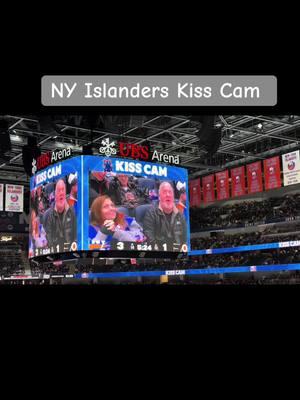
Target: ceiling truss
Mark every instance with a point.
(244, 138)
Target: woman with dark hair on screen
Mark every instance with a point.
(108, 224)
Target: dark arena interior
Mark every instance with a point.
(230, 185)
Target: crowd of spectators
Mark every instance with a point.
(273, 279)
(267, 257)
(239, 239)
(245, 212)
(258, 257)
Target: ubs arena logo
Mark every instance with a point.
(135, 151)
(44, 160)
(108, 148)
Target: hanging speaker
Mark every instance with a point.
(29, 152)
(209, 136)
(5, 143)
(48, 125)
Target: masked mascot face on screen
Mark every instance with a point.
(107, 166)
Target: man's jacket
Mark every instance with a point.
(60, 231)
(159, 230)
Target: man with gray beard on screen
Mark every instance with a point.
(60, 221)
(164, 225)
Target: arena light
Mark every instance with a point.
(16, 138)
(6, 238)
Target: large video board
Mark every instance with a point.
(55, 221)
(91, 203)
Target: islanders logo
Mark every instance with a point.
(107, 166)
(254, 175)
(237, 179)
(14, 198)
(271, 170)
(222, 182)
(291, 165)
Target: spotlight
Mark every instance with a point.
(259, 126)
(16, 138)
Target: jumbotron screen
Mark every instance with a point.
(92, 203)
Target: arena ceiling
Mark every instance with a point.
(245, 138)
